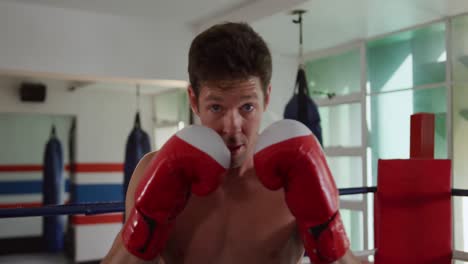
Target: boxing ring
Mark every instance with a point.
(413, 215)
(118, 207)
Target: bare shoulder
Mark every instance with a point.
(145, 161)
(136, 178)
(141, 167)
(118, 252)
(349, 258)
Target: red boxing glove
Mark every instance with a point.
(288, 155)
(193, 160)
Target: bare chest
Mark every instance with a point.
(251, 224)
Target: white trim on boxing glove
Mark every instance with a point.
(208, 141)
(280, 131)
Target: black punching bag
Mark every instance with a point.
(302, 108)
(138, 144)
(53, 226)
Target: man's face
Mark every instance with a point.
(234, 109)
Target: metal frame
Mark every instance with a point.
(365, 177)
(361, 98)
(417, 87)
(449, 122)
(460, 255)
(340, 99)
(344, 151)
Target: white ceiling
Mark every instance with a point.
(77, 83)
(173, 11)
(327, 23)
(145, 89)
(331, 23)
(121, 86)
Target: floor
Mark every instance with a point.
(49, 259)
(35, 259)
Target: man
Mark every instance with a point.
(238, 220)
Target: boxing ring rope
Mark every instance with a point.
(116, 207)
(357, 190)
(362, 190)
(459, 192)
(66, 209)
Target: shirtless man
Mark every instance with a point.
(240, 220)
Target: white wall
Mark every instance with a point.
(45, 39)
(104, 119)
(282, 85)
(23, 138)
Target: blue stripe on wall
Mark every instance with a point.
(25, 187)
(67, 185)
(21, 187)
(91, 193)
(85, 193)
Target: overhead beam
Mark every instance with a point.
(248, 12)
(85, 80)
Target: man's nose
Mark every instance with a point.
(232, 122)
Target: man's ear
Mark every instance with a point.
(193, 99)
(267, 97)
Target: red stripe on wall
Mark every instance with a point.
(23, 167)
(97, 219)
(80, 167)
(99, 167)
(20, 205)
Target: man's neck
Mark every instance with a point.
(242, 171)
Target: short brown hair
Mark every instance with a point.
(229, 51)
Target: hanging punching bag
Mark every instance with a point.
(138, 144)
(70, 187)
(53, 226)
(302, 108)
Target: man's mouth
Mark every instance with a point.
(235, 148)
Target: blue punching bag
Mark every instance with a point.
(302, 108)
(53, 226)
(138, 144)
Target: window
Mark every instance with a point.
(339, 74)
(460, 127)
(389, 123)
(341, 124)
(171, 110)
(368, 116)
(354, 225)
(408, 59)
(406, 73)
(347, 171)
(342, 121)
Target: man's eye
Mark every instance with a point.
(215, 108)
(248, 107)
